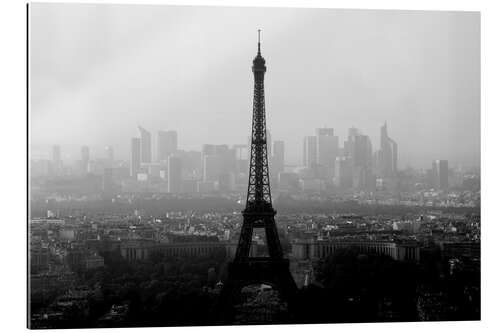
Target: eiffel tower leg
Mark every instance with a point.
(245, 242)
(272, 239)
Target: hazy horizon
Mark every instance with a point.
(99, 71)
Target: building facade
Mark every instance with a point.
(135, 157)
(145, 145)
(167, 144)
(174, 178)
(327, 148)
(310, 151)
(309, 250)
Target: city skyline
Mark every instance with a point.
(431, 96)
(161, 146)
(326, 165)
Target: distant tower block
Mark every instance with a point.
(145, 145)
(259, 213)
(167, 144)
(135, 157)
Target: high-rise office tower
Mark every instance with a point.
(362, 153)
(56, 154)
(208, 149)
(174, 178)
(110, 155)
(359, 148)
(352, 133)
(218, 161)
(343, 175)
(241, 158)
(145, 145)
(310, 151)
(85, 154)
(167, 144)
(85, 158)
(388, 154)
(362, 162)
(326, 131)
(135, 157)
(211, 167)
(440, 174)
(191, 164)
(241, 151)
(278, 158)
(328, 146)
(228, 158)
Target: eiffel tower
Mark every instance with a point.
(273, 269)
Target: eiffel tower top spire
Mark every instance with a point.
(259, 63)
(258, 52)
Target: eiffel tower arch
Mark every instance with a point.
(259, 213)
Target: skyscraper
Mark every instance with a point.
(310, 151)
(228, 158)
(167, 144)
(145, 145)
(241, 158)
(56, 154)
(135, 157)
(343, 174)
(388, 154)
(110, 156)
(440, 174)
(208, 164)
(218, 161)
(278, 158)
(174, 178)
(328, 146)
(349, 143)
(362, 153)
(359, 148)
(85, 158)
(211, 167)
(362, 162)
(191, 164)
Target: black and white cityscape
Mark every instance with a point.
(334, 196)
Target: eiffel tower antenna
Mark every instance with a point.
(258, 31)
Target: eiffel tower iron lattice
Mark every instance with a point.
(259, 213)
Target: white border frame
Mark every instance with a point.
(13, 165)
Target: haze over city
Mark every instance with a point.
(194, 166)
(97, 72)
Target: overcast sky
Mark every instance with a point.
(99, 71)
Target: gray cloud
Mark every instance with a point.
(98, 71)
